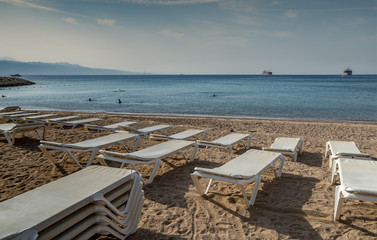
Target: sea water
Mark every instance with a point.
(309, 97)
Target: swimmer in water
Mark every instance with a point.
(119, 101)
(90, 99)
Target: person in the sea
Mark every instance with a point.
(90, 99)
(119, 101)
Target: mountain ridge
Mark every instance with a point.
(9, 67)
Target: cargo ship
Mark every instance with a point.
(347, 72)
(267, 72)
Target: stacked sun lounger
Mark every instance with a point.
(95, 200)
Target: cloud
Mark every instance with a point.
(291, 14)
(70, 20)
(170, 2)
(171, 34)
(246, 20)
(274, 3)
(106, 22)
(29, 4)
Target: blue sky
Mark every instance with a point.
(194, 36)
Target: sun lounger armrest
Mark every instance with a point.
(63, 145)
(345, 154)
(203, 142)
(110, 153)
(277, 149)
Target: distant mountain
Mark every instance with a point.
(8, 67)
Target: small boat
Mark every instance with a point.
(267, 72)
(347, 72)
(16, 75)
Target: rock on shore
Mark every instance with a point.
(14, 81)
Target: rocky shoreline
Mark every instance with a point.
(14, 81)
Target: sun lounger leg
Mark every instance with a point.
(253, 194)
(301, 146)
(230, 149)
(48, 154)
(208, 186)
(249, 143)
(137, 143)
(295, 156)
(94, 153)
(334, 172)
(282, 160)
(338, 202)
(154, 172)
(10, 139)
(194, 152)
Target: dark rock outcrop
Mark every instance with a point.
(14, 81)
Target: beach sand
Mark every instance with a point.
(299, 205)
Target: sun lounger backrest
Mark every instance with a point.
(230, 138)
(344, 147)
(286, 143)
(358, 176)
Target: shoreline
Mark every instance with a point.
(205, 116)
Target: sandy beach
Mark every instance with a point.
(299, 205)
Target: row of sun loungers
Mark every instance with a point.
(102, 194)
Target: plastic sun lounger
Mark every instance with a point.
(10, 109)
(287, 146)
(40, 118)
(92, 145)
(358, 180)
(10, 130)
(150, 155)
(75, 123)
(11, 113)
(111, 127)
(19, 116)
(340, 149)
(145, 131)
(228, 141)
(58, 207)
(189, 134)
(244, 169)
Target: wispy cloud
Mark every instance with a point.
(277, 34)
(106, 22)
(70, 20)
(170, 2)
(246, 20)
(291, 14)
(274, 3)
(29, 4)
(172, 34)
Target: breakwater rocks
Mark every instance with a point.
(14, 81)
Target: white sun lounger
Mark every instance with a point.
(10, 109)
(111, 127)
(75, 123)
(340, 149)
(57, 209)
(145, 131)
(11, 113)
(358, 180)
(10, 130)
(244, 169)
(286, 146)
(19, 116)
(228, 141)
(150, 155)
(92, 145)
(40, 118)
(189, 134)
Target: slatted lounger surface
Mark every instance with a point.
(343, 149)
(244, 169)
(92, 145)
(228, 141)
(41, 118)
(58, 208)
(358, 180)
(10, 130)
(150, 155)
(287, 146)
(75, 123)
(19, 116)
(11, 113)
(147, 130)
(112, 127)
(185, 135)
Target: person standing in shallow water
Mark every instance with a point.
(119, 101)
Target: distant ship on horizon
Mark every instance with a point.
(267, 72)
(347, 72)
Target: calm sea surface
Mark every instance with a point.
(313, 97)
